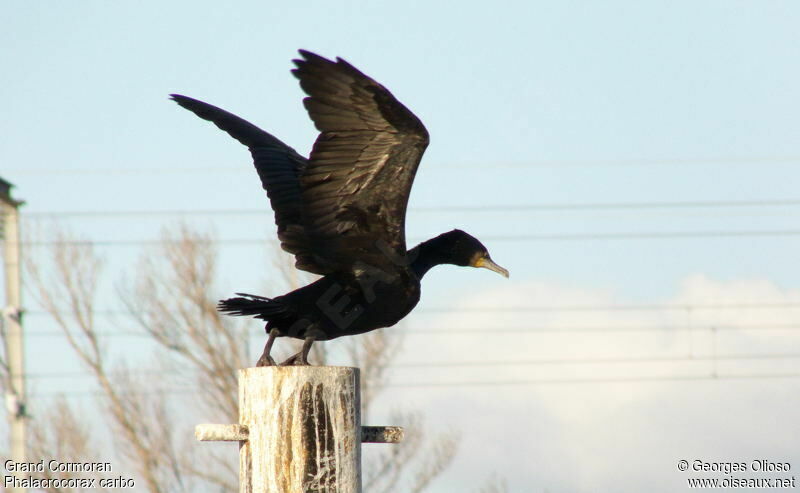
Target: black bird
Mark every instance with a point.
(341, 212)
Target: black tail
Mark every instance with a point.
(250, 304)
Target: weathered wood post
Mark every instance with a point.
(299, 430)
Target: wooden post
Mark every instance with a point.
(299, 430)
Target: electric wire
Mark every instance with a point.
(630, 235)
(446, 332)
(544, 163)
(501, 363)
(548, 308)
(486, 383)
(637, 206)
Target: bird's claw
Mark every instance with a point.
(265, 361)
(295, 360)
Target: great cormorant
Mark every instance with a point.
(341, 212)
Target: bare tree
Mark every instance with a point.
(67, 292)
(419, 459)
(171, 299)
(415, 463)
(70, 441)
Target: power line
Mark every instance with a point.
(646, 235)
(458, 331)
(566, 330)
(552, 237)
(238, 168)
(542, 308)
(620, 307)
(500, 363)
(599, 380)
(546, 308)
(600, 360)
(555, 207)
(447, 332)
(493, 330)
(488, 383)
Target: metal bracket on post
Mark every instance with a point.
(239, 433)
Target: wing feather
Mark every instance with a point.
(356, 185)
(278, 167)
(348, 201)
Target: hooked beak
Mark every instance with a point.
(487, 263)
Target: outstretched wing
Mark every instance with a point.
(356, 185)
(278, 167)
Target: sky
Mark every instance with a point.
(633, 164)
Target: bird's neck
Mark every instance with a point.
(428, 254)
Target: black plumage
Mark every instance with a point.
(341, 212)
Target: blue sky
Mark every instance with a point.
(527, 104)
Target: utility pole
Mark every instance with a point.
(12, 323)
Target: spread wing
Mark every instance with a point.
(356, 185)
(278, 167)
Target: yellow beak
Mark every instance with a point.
(487, 263)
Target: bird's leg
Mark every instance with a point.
(266, 359)
(306, 348)
(301, 358)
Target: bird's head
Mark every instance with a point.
(465, 250)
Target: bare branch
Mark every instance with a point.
(494, 484)
(171, 301)
(428, 457)
(68, 295)
(373, 352)
(440, 455)
(68, 441)
(383, 475)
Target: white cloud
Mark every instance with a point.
(611, 436)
